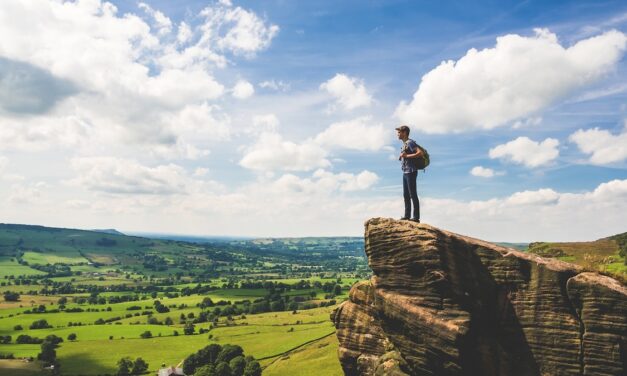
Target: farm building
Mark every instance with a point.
(171, 371)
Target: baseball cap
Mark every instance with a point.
(403, 128)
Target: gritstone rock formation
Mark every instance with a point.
(445, 304)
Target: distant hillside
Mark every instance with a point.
(109, 231)
(518, 246)
(606, 255)
(32, 250)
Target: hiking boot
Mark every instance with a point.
(415, 220)
(403, 218)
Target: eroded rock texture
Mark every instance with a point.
(445, 304)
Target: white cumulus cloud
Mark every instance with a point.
(602, 146)
(349, 92)
(236, 29)
(272, 152)
(243, 89)
(356, 134)
(481, 171)
(516, 78)
(122, 176)
(527, 152)
(122, 77)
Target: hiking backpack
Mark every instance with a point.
(424, 161)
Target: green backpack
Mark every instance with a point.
(424, 161)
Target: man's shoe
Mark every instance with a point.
(415, 220)
(404, 218)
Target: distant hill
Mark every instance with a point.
(35, 250)
(109, 231)
(518, 246)
(605, 255)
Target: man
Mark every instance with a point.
(409, 152)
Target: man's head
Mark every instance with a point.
(402, 132)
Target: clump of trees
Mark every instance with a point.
(10, 296)
(40, 324)
(216, 360)
(128, 367)
(48, 354)
(146, 334)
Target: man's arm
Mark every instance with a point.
(417, 154)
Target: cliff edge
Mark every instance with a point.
(444, 304)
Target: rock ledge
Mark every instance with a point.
(440, 304)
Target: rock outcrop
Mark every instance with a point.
(445, 304)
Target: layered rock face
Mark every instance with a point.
(445, 304)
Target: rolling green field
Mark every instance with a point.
(272, 297)
(604, 255)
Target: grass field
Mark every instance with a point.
(602, 255)
(18, 367)
(96, 267)
(314, 359)
(59, 257)
(9, 266)
(267, 336)
(259, 341)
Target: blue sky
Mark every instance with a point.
(276, 118)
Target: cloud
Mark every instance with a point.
(356, 134)
(122, 176)
(235, 29)
(540, 215)
(243, 89)
(602, 146)
(483, 172)
(162, 23)
(136, 72)
(519, 77)
(274, 85)
(527, 152)
(539, 197)
(32, 193)
(264, 123)
(28, 89)
(349, 92)
(271, 152)
(325, 182)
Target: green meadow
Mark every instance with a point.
(127, 296)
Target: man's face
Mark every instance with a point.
(400, 134)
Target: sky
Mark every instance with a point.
(277, 118)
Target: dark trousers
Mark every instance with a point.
(410, 195)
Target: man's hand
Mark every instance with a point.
(403, 155)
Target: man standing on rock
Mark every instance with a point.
(409, 152)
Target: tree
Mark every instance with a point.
(139, 366)
(337, 290)
(146, 334)
(189, 329)
(229, 352)
(168, 321)
(253, 368)
(206, 370)
(223, 369)
(71, 337)
(124, 367)
(237, 365)
(40, 324)
(10, 296)
(48, 354)
(190, 364)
